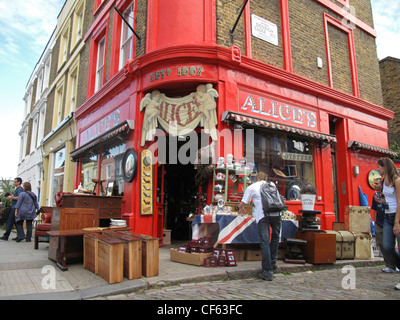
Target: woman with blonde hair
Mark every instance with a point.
(391, 227)
(25, 210)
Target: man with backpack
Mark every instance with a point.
(268, 242)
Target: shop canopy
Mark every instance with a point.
(112, 137)
(357, 146)
(228, 116)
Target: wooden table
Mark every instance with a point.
(70, 243)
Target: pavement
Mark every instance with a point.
(28, 274)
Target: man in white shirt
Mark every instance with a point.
(269, 249)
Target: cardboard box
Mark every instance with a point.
(196, 259)
(253, 255)
(357, 219)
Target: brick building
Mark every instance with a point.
(294, 89)
(390, 77)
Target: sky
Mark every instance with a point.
(26, 27)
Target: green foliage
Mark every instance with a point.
(6, 186)
(395, 146)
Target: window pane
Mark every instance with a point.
(286, 159)
(58, 174)
(111, 169)
(89, 172)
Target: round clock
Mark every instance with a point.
(129, 164)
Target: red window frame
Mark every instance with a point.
(121, 5)
(98, 34)
(352, 55)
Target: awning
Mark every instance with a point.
(237, 117)
(113, 136)
(356, 146)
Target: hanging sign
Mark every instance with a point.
(146, 182)
(179, 116)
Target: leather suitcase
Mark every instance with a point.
(320, 248)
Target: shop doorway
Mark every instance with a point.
(180, 199)
(335, 182)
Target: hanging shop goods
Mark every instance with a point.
(146, 182)
(179, 116)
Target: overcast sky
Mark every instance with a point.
(26, 26)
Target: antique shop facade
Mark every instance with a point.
(286, 90)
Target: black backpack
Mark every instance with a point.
(271, 200)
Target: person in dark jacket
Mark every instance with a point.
(11, 218)
(25, 210)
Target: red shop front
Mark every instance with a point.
(141, 135)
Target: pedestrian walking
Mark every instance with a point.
(269, 242)
(391, 227)
(25, 210)
(378, 205)
(11, 217)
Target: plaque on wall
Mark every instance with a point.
(146, 182)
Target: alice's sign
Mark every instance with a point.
(275, 110)
(179, 116)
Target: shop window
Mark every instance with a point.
(89, 172)
(286, 159)
(58, 173)
(111, 170)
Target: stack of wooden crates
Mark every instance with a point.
(353, 237)
(115, 255)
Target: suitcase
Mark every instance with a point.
(345, 244)
(357, 219)
(363, 246)
(320, 248)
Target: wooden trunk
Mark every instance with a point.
(150, 255)
(357, 219)
(90, 253)
(132, 254)
(320, 248)
(110, 259)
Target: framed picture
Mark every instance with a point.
(110, 187)
(129, 165)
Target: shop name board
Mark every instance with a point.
(297, 157)
(180, 71)
(101, 126)
(277, 111)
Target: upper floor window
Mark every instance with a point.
(97, 4)
(77, 26)
(39, 85)
(100, 63)
(63, 54)
(126, 51)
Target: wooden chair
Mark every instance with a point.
(41, 229)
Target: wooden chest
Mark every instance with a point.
(150, 255)
(90, 252)
(110, 259)
(132, 254)
(320, 248)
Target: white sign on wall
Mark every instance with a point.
(264, 30)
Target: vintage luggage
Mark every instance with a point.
(345, 244)
(357, 219)
(110, 258)
(363, 246)
(320, 248)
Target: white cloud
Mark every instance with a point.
(387, 25)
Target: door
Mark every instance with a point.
(159, 203)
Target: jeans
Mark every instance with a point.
(389, 240)
(20, 230)
(269, 242)
(10, 223)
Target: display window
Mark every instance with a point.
(58, 173)
(111, 170)
(89, 172)
(288, 160)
